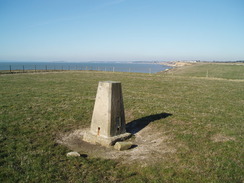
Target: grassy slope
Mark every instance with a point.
(36, 108)
(221, 70)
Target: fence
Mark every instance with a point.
(12, 69)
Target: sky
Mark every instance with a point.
(121, 30)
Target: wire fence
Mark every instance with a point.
(13, 69)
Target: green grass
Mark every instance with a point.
(36, 108)
(221, 70)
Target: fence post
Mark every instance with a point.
(113, 69)
(46, 67)
(10, 69)
(35, 68)
(23, 68)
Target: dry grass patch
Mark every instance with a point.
(221, 138)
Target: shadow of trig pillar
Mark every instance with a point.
(108, 119)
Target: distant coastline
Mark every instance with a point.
(138, 66)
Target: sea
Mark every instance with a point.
(139, 67)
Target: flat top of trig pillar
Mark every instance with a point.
(109, 82)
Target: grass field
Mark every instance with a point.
(205, 128)
(220, 70)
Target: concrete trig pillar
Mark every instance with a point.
(108, 119)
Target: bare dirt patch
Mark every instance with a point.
(221, 138)
(150, 145)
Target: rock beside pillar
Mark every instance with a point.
(122, 145)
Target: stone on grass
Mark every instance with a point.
(122, 145)
(73, 154)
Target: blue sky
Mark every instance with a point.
(121, 30)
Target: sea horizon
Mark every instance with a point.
(115, 66)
